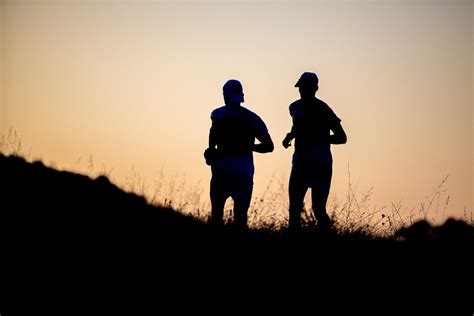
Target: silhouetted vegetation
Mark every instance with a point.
(40, 201)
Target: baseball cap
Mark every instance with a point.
(233, 91)
(307, 79)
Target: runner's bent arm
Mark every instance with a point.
(212, 137)
(265, 145)
(339, 135)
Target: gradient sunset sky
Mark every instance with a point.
(132, 83)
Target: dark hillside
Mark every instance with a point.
(41, 204)
(61, 232)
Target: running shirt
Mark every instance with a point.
(235, 130)
(312, 123)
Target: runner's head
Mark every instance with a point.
(308, 84)
(233, 92)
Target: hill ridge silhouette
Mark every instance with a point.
(36, 197)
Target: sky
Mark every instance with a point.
(129, 85)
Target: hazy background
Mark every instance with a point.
(131, 84)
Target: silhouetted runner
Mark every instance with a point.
(313, 121)
(230, 154)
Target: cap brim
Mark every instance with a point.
(305, 83)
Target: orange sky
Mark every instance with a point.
(132, 83)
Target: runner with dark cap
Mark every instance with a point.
(313, 122)
(230, 154)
